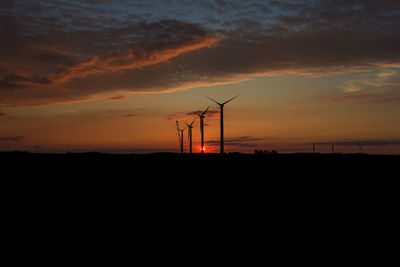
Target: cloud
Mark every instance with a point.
(363, 143)
(242, 141)
(2, 114)
(55, 58)
(117, 98)
(12, 138)
(349, 97)
(377, 97)
(176, 116)
(77, 73)
(211, 113)
(380, 86)
(84, 58)
(131, 59)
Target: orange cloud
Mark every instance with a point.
(117, 98)
(129, 59)
(347, 97)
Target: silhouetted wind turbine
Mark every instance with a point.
(221, 107)
(359, 145)
(180, 135)
(202, 127)
(190, 127)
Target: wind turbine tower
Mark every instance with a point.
(180, 135)
(359, 145)
(221, 107)
(201, 116)
(190, 127)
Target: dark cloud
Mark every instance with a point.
(66, 79)
(368, 97)
(12, 138)
(96, 1)
(349, 97)
(209, 113)
(52, 58)
(242, 141)
(363, 143)
(55, 59)
(117, 98)
(176, 116)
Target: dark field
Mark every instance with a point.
(193, 210)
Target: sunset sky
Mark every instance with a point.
(115, 75)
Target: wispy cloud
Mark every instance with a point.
(364, 143)
(12, 138)
(349, 97)
(242, 141)
(380, 97)
(382, 83)
(211, 113)
(117, 98)
(176, 116)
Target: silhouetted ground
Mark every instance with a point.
(200, 210)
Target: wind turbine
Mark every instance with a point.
(202, 128)
(190, 127)
(180, 135)
(359, 145)
(221, 107)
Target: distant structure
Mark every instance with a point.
(313, 148)
(333, 149)
(221, 106)
(201, 116)
(359, 145)
(180, 135)
(190, 127)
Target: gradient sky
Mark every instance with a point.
(115, 75)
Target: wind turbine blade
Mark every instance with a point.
(198, 114)
(214, 100)
(204, 112)
(179, 134)
(190, 125)
(186, 123)
(230, 100)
